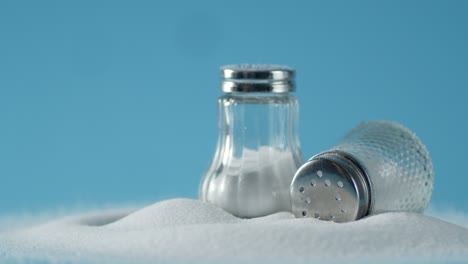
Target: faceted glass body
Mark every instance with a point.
(257, 154)
(397, 163)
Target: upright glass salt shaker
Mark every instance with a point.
(379, 166)
(258, 149)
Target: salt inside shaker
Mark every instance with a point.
(379, 166)
(258, 148)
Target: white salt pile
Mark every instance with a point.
(184, 230)
(254, 184)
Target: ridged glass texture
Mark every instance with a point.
(257, 154)
(396, 162)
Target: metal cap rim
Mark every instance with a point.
(272, 72)
(243, 87)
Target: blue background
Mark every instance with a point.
(115, 102)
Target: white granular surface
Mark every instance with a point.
(184, 230)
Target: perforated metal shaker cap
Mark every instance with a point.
(257, 78)
(330, 186)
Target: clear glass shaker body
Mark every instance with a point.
(397, 163)
(257, 153)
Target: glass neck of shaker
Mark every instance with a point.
(258, 122)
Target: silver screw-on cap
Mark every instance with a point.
(330, 186)
(257, 78)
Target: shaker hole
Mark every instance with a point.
(313, 182)
(317, 215)
(327, 183)
(338, 197)
(319, 173)
(340, 184)
(304, 213)
(301, 189)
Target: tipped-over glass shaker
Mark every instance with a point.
(379, 166)
(258, 148)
